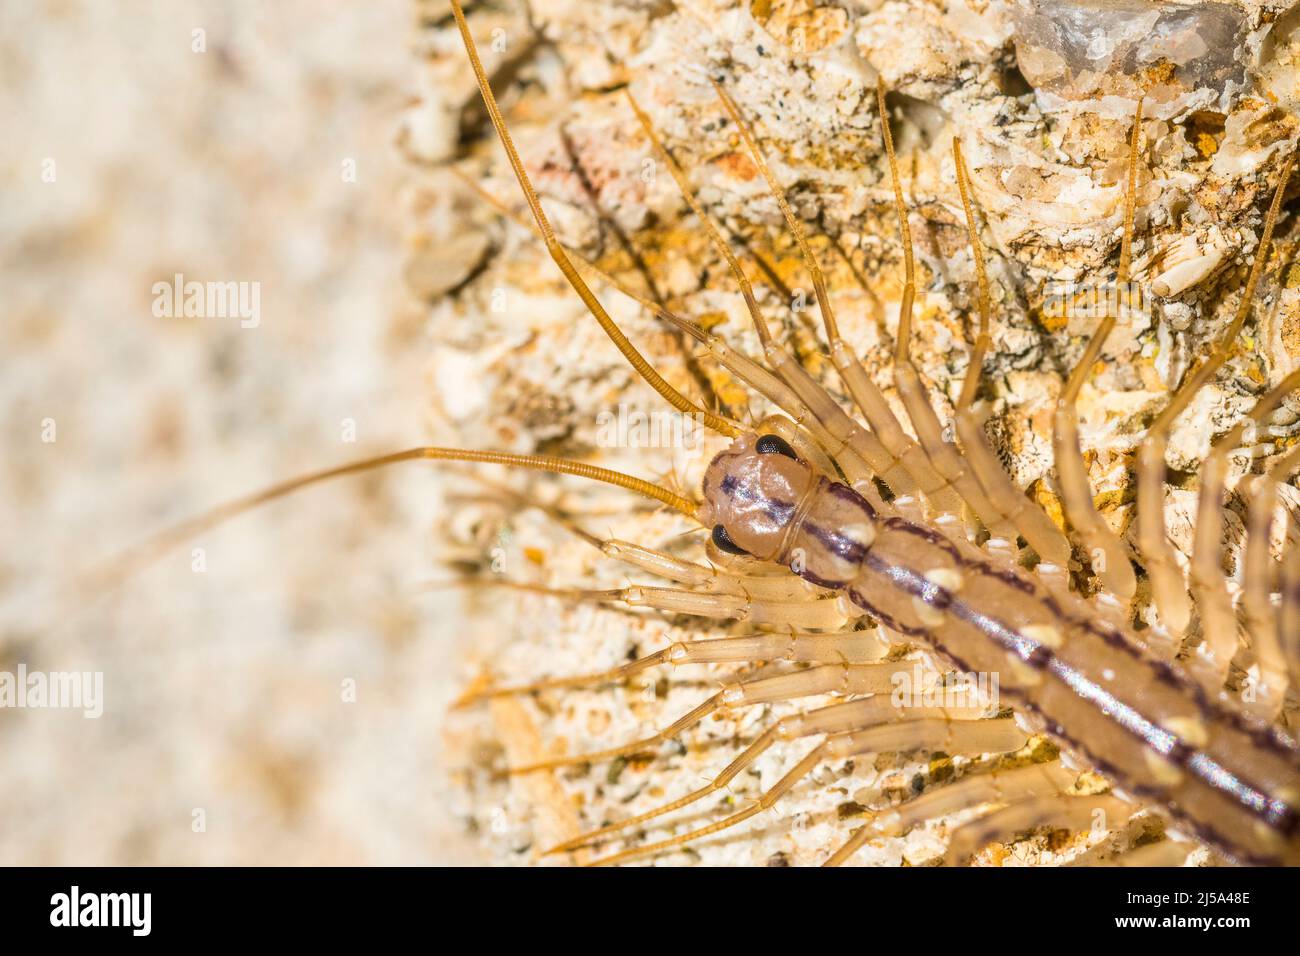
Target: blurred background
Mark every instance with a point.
(276, 699)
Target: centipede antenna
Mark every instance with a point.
(903, 345)
(982, 341)
(556, 249)
(810, 261)
(154, 547)
(1082, 370)
(754, 375)
(658, 310)
(1109, 557)
(1002, 494)
(684, 187)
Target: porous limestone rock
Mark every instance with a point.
(1042, 95)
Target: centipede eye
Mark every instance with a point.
(775, 445)
(724, 542)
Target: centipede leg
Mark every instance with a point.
(954, 738)
(994, 787)
(711, 580)
(844, 435)
(1108, 556)
(1167, 580)
(1061, 811)
(1209, 586)
(865, 728)
(827, 679)
(863, 442)
(1166, 853)
(825, 614)
(1274, 674)
(1044, 537)
(829, 613)
(848, 647)
(943, 456)
(1289, 611)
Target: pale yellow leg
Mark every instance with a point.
(1167, 581)
(846, 679)
(1003, 786)
(1209, 584)
(1107, 554)
(1101, 813)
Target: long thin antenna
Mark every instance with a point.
(792, 221)
(553, 246)
(684, 187)
(983, 340)
(152, 548)
(903, 346)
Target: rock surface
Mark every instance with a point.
(1042, 96)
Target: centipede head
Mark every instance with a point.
(751, 495)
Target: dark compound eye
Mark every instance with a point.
(775, 445)
(724, 542)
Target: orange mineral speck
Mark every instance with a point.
(738, 165)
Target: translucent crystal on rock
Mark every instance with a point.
(1102, 54)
